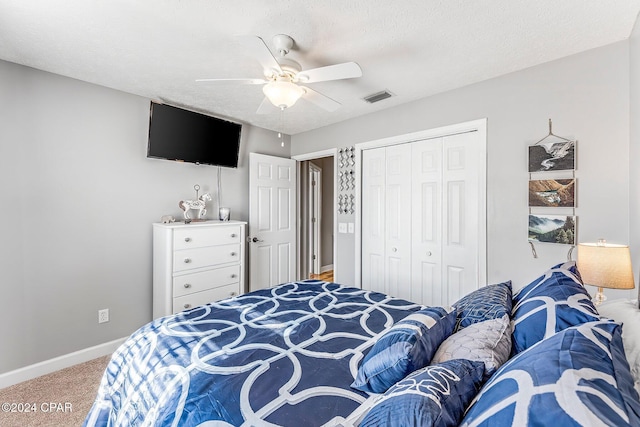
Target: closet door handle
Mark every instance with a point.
(429, 253)
(394, 249)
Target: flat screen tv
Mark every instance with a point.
(185, 136)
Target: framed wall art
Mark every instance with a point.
(559, 229)
(554, 193)
(552, 156)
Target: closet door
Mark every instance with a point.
(373, 217)
(420, 219)
(426, 252)
(386, 220)
(398, 221)
(461, 226)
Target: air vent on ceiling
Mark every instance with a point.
(379, 96)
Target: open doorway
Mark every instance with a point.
(316, 217)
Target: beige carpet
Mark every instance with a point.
(59, 399)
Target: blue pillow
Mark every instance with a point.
(487, 303)
(551, 303)
(405, 347)
(436, 395)
(577, 377)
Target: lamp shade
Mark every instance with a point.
(605, 265)
(282, 93)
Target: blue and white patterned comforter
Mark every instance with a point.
(280, 356)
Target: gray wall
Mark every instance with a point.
(586, 96)
(79, 195)
(634, 151)
(78, 199)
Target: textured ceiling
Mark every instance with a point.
(413, 48)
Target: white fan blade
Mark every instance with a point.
(236, 81)
(321, 100)
(266, 107)
(345, 70)
(258, 49)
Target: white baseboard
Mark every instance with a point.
(326, 268)
(47, 366)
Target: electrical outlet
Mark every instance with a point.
(103, 315)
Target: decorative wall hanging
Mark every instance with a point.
(346, 181)
(552, 229)
(553, 161)
(554, 154)
(552, 192)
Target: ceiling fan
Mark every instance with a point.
(283, 76)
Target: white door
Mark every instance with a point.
(421, 219)
(272, 224)
(461, 223)
(315, 217)
(386, 220)
(373, 219)
(398, 220)
(426, 224)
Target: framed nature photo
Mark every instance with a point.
(552, 156)
(559, 229)
(552, 193)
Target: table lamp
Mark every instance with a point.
(605, 265)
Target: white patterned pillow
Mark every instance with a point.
(488, 342)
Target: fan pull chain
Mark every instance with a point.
(281, 126)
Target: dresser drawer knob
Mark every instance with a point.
(187, 239)
(187, 285)
(187, 260)
(234, 293)
(233, 276)
(234, 235)
(233, 254)
(187, 306)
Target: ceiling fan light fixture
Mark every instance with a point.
(282, 93)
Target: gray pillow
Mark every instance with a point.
(488, 341)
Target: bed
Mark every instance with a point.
(315, 353)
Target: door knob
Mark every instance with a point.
(428, 253)
(255, 240)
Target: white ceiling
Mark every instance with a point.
(413, 48)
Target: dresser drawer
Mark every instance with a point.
(186, 302)
(185, 238)
(189, 259)
(197, 282)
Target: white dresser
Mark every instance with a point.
(197, 263)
